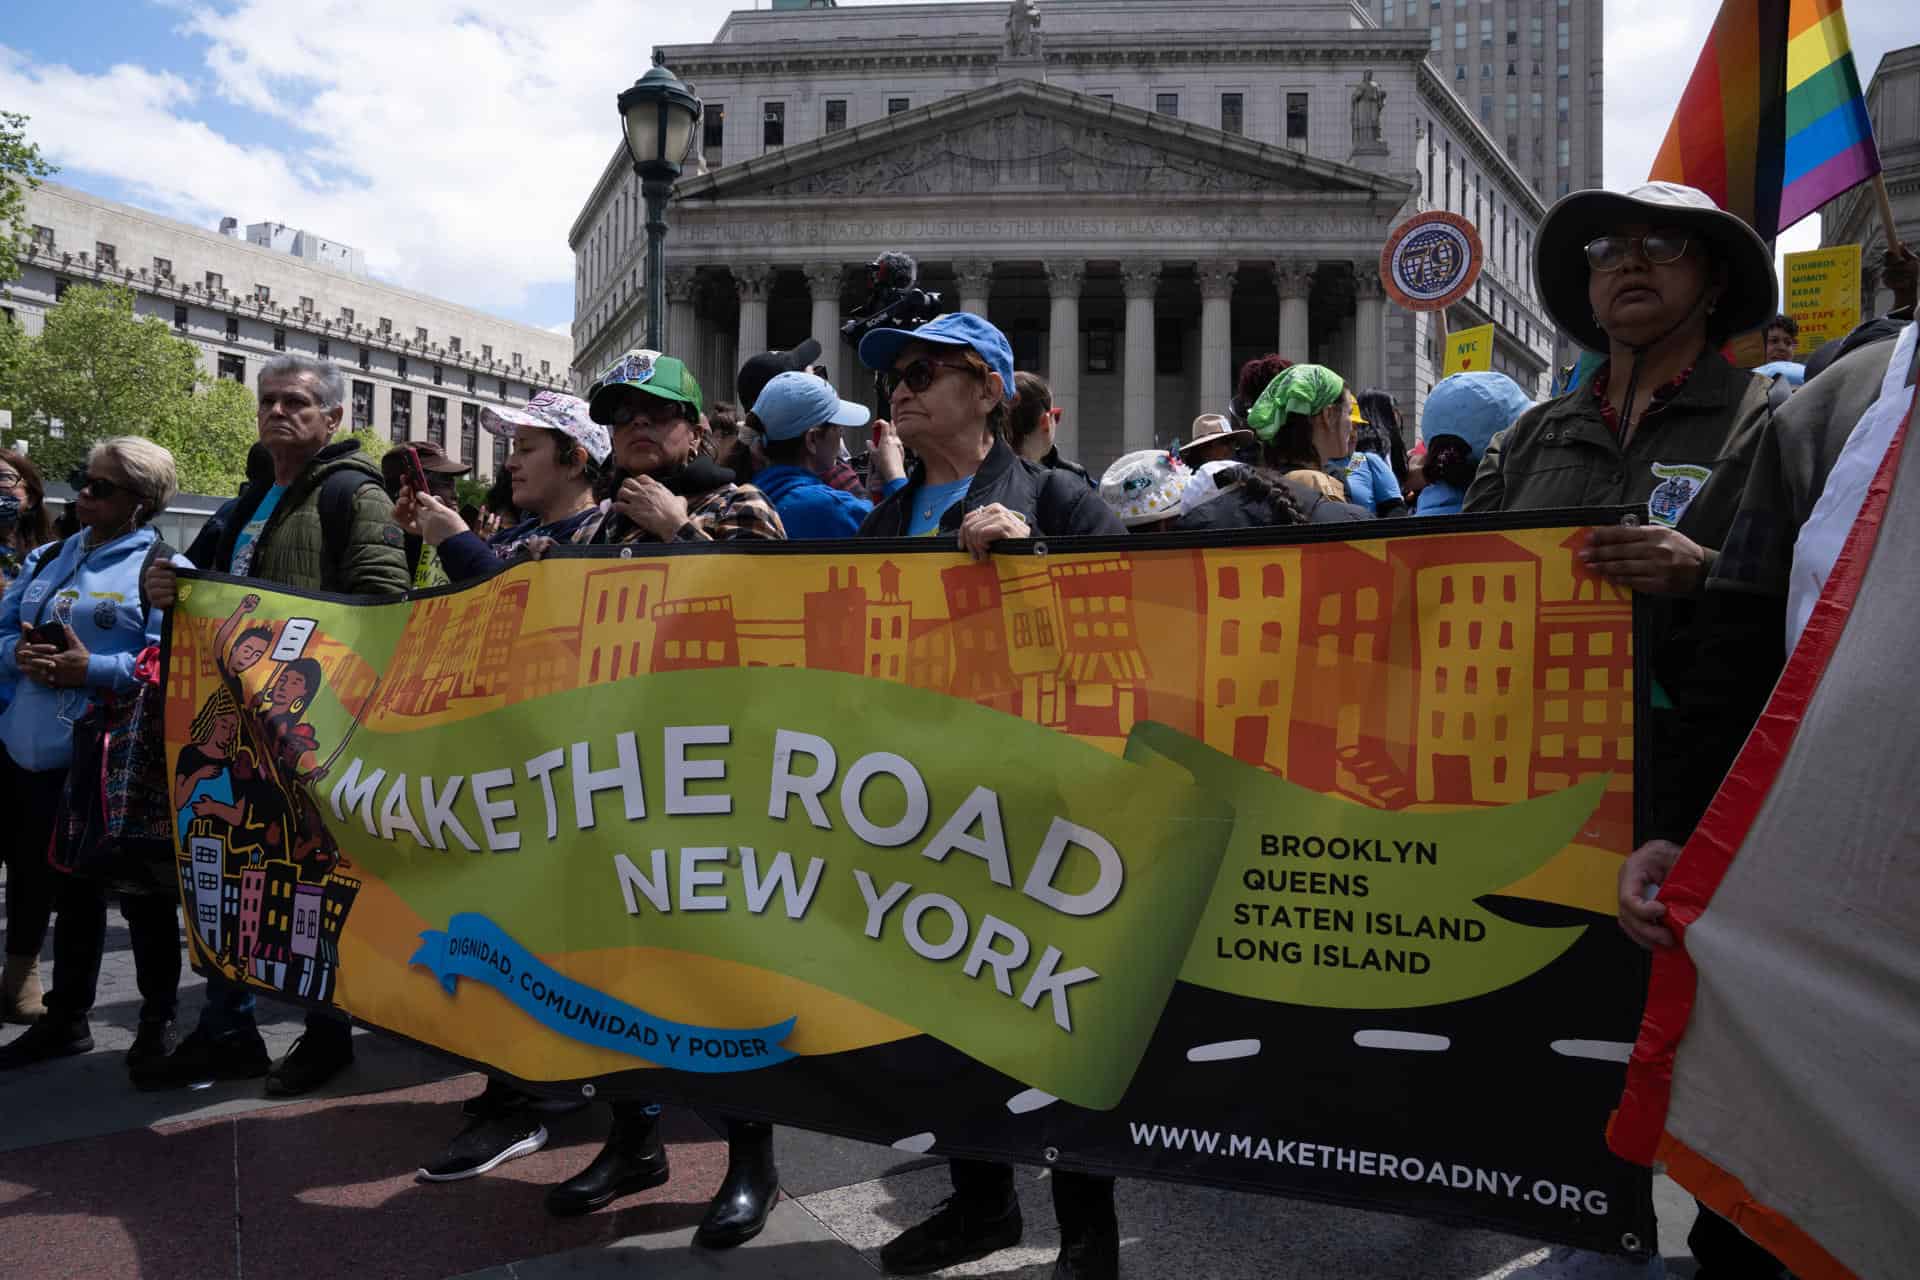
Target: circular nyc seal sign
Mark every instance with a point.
(1431, 261)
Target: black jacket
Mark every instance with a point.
(1250, 505)
(1054, 462)
(1057, 504)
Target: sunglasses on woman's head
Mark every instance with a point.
(1610, 253)
(94, 485)
(917, 376)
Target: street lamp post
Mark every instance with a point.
(659, 114)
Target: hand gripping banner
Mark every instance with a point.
(1282, 865)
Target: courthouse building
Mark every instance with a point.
(1142, 194)
(418, 368)
(1893, 102)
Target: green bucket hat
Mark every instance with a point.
(648, 372)
(1305, 388)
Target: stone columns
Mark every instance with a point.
(752, 283)
(1369, 335)
(1142, 281)
(1063, 350)
(1216, 334)
(823, 283)
(975, 278)
(1294, 280)
(683, 332)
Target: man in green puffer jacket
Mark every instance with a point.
(318, 520)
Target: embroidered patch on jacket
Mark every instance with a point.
(1680, 483)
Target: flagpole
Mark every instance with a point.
(1894, 247)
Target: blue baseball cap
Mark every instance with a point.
(879, 349)
(1474, 406)
(792, 404)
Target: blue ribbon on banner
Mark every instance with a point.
(475, 948)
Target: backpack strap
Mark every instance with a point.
(337, 493)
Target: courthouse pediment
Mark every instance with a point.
(1022, 136)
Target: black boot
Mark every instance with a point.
(1091, 1255)
(632, 1160)
(740, 1207)
(152, 1044)
(53, 1036)
(957, 1232)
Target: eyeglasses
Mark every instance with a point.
(1610, 253)
(9, 479)
(637, 412)
(918, 376)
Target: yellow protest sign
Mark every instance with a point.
(1823, 294)
(1468, 351)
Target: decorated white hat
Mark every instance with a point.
(1145, 486)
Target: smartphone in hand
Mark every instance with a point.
(48, 633)
(416, 474)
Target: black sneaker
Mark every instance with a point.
(311, 1062)
(484, 1145)
(153, 1042)
(202, 1059)
(956, 1233)
(51, 1037)
(1093, 1256)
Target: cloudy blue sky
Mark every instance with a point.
(454, 140)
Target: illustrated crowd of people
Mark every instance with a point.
(1726, 462)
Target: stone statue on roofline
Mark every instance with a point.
(1367, 99)
(1023, 29)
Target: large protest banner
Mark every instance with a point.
(1282, 865)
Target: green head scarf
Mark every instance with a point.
(1305, 388)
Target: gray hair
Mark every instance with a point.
(332, 383)
(148, 468)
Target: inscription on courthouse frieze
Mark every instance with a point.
(853, 229)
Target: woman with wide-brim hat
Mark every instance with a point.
(1656, 279)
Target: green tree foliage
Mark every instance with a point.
(372, 443)
(21, 169)
(98, 370)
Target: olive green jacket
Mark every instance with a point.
(1688, 463)
(291, 550)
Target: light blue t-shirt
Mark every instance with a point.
(1369, 477)
(250, 531)
(930, 503)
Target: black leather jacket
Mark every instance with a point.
(1057, 504)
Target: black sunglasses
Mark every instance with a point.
(918, 376)
(1610, 253)
(94, 485)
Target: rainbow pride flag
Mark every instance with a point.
(1772, 123)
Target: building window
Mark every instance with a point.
(501, 387)
(499, 453)
(1433, 39)
(233, 328)
(261, 293)
(420, 336)
(1486, 106)
(1486, 33)
(362, 405)
(366, 358)
(279, 339)
(1233, 113)
(326, 349)
(713, 132)
(400, 366)
(1560, 106)
(453, 345)
(1166, 104)
(546, 368)
(306, 306)
(180, 317)
(346, 315)
(897, 105)
(469, 433)
(486, 353)
(43, 239)
(401, 416)
(1460, 35)
(384, 327)
(231, 367)
(104, 253)
(163, 268)
(216, 283)
(438, 377)
(437, 420)
(1562, 72)
(1560, 35)
(1297, 119)
(773, 125)
(514, 359)
(472, 383)
(1535, 31)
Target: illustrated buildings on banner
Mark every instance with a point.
(1511, 674)
(1142, 195)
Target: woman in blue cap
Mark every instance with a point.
(1462, 415)
(950, 383)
